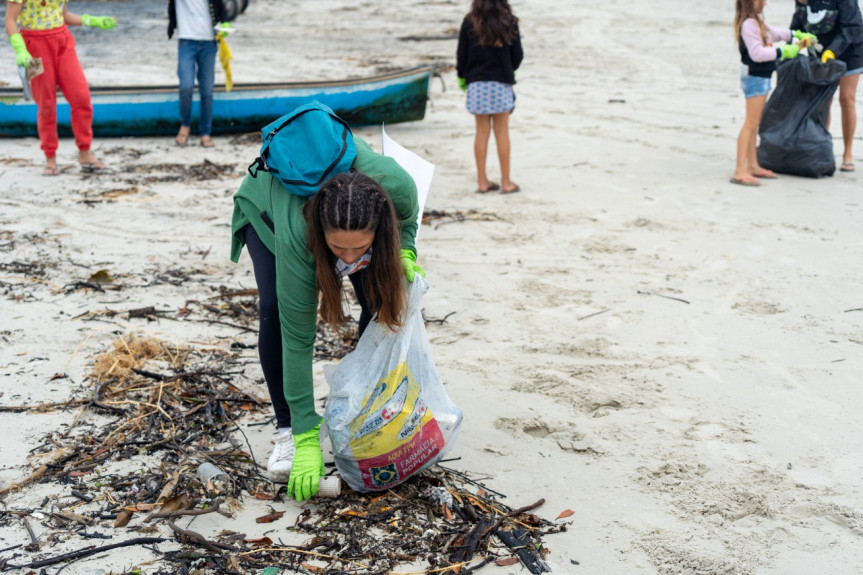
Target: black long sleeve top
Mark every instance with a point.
(838, 25)
(477, 63)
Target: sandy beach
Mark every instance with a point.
(673, 358)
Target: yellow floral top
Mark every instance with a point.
(40, 14)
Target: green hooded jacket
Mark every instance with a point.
(277, 217)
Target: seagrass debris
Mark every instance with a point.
(182, 405)
(442, 217)
(433, 518)
(175, 401)
(178, 403)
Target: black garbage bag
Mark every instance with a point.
(794, 137)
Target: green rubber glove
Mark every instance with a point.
(223, 29)
(462, 83)
(308, 466)
(22, 56)
(101, 22)
(801, 35)
(789, 51)
(409, 261)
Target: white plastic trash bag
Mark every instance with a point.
(388, 416)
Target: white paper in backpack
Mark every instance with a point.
(420, 169)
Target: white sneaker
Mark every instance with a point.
(279, 464)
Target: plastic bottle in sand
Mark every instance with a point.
(330, 486)
(213, 478)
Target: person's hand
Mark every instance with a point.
(22, 56)
(409, 261)
(308, 465)
(789, 51)
(827, 55)
(801, 35)
(101, 22)
(223, 29)
(462, 83)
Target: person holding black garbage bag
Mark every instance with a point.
(758, 55)
(360, 224)
(839, 27)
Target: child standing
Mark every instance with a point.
(44, 34)
(489, 51)
(755, 41)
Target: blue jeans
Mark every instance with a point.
(753, 85)
(202, 54)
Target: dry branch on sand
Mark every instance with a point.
(174, 407)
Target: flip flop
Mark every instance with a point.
(182, 139)
(742, 182)
(492, 187)
(767, 175)
(94, 168)
(847, 167)
(51, 171)
(512, 191)
(207, 142)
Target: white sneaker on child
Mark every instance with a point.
(279, 464)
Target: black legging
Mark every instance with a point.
(269, 330)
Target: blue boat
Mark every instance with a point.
(389, 98)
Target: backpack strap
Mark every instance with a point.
(260, 162)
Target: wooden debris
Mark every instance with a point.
(445, 217)
(181, 402)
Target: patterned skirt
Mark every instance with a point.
(490, 98)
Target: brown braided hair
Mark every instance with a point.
(352, 201)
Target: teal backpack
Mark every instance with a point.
(305, 147)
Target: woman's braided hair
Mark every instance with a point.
(352, 201)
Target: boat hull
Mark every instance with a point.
(153, 111)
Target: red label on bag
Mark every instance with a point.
(392, 468)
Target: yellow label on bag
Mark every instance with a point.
(394, 434)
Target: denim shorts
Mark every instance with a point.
(753, 85)
(854, 72)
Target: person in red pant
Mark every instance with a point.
(44, 34)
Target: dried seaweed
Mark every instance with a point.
(179, 403)
(433, 519)
(444, 217)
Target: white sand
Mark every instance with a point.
(674, 358)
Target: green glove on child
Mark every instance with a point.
(22, 56)
(409, 259)
(788, 51)
(308, 465)
(101, 22)
(801, 35)
(462, 83)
